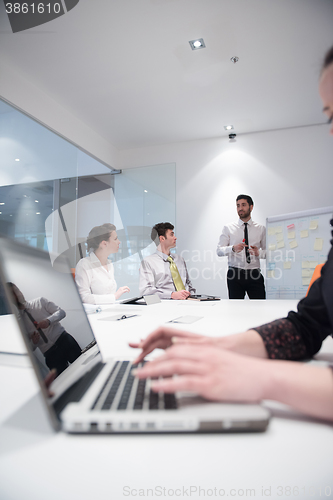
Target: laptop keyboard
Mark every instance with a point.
(122, 391)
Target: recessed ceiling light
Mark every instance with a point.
(2, 203)
(37, 213)
(197, 44)
(234, 59)
(17, 159)
(145, 191)
(36, 201)
(228, 127)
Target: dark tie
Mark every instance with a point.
(246, 237)
(33, 321)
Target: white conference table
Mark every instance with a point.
(292, 459)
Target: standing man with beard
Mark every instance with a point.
(244, 243)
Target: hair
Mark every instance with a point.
(17, 295)
(99, 234)
(245, 197)
(160, 229)
(328, 59)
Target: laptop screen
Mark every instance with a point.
(48, 307)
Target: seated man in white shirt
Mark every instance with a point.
(162, 273)
(244, 243)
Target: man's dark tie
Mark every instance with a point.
(246, 237)
(40, 331)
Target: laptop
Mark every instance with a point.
(203, 298)
(91, 394)
(143, 300)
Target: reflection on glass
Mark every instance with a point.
(56, 193)
(47, 306)
(41, 319)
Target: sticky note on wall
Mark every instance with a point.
(318, 244)
(305, 233)
(306, 281)
(307, 273)
(313, 224)
(293, 244)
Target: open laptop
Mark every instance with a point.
(203, 298)
(93, 395)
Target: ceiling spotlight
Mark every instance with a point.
(197, 44)
(2, 203)
(36, 201)
(17, 159)
(37, 213)
(234, 59)
(228, 127)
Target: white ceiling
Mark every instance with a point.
(126, 69)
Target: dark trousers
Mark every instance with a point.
(64, 351)
(250, 281)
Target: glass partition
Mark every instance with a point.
(52, 194)
(144, 197)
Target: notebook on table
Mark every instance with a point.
(93, 395)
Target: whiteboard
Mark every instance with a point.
(296, 244)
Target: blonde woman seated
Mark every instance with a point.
(94, 275)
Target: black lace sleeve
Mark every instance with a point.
(282, 340)
(300, 335)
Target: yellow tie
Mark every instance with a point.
(175, 275)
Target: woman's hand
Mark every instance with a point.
(121, 290)
(215, 374)
(249, 342)
(164, 337)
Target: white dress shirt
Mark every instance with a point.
(40, 309)
(96, 285)
(232, 234)
(155, 275)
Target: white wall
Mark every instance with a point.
(27, 97)
(284, 171)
